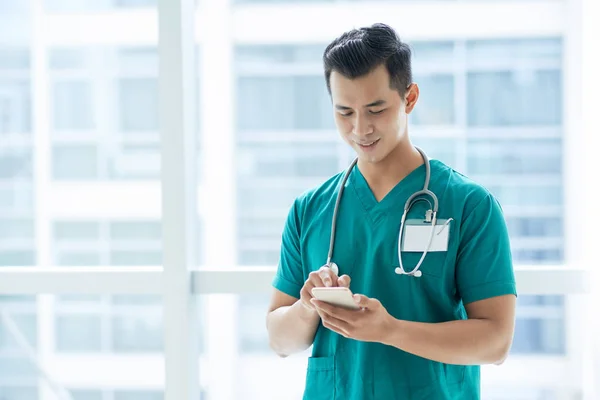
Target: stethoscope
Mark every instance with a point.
(430, 217)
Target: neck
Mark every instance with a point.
(386, 174)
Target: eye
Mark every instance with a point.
(377, 112)
(347, 114)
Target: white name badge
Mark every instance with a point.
(417, 232)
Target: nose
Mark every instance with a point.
(362, 126)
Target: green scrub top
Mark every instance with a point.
(476, 266)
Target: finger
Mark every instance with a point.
(306, 295)
(336, 325)
(326, 276)
(344, 281)
(333, 311)
(365, 302)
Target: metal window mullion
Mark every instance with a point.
(178, 184)
(41, 121)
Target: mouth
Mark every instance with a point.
(368, 145)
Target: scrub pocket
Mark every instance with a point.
(320, 379)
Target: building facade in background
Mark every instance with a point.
(80, 170)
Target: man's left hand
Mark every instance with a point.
(368, 324)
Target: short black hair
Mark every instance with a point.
(359, 51)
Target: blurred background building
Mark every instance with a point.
(80, 169)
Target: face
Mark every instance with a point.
(370, 116)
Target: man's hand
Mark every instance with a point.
(324, 277)
(369, 324)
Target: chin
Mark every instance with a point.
(369, 158)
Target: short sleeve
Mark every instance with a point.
(289, 276)
(484, 262)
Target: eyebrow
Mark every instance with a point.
(373, 104)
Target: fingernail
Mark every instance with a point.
(356, 298)
(327, 282)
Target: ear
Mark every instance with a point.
(411, 97)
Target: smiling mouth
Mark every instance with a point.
(367, 145)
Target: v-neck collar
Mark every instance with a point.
(395, 198)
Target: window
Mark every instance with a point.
(15, 163)
(95, 5)
(17, 257)
(515, 157)
(535, 227)
(138, 105)
(520, 98)
(435, 105)
(16, 228)
(78, 333)
(76, 230)
(73, 106)
(293, 160)
(74, 162)
(14, 392)
(135, 162)
(15, 106)
(306, 105)
(27, 325)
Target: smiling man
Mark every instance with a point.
(420, 332)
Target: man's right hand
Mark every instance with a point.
(324, 277)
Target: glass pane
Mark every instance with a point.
(15, 104)
(138, 99)
(436, 100)
(15, 163)
(18, 392)
(135, 230)
(293, 160)
(135, 162)
(17, 373)
(13, 228)
(535, 226)
(138, 395)
(86, 395)
(515, 157)
(75, 162)
(515, 194)
(265, 55)
(78, 333)
(514, 98)
(516, 52)
(17, 258)
(73, 106)
(95, 5)
(116, 342)
(115, 108)
(137, 333)
(76, 230)
(260, 104)
(430, 54)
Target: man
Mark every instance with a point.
(416, 336)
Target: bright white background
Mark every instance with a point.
(100, 100)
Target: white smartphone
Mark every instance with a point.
(337, 296)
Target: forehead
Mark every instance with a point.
(373, 86)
